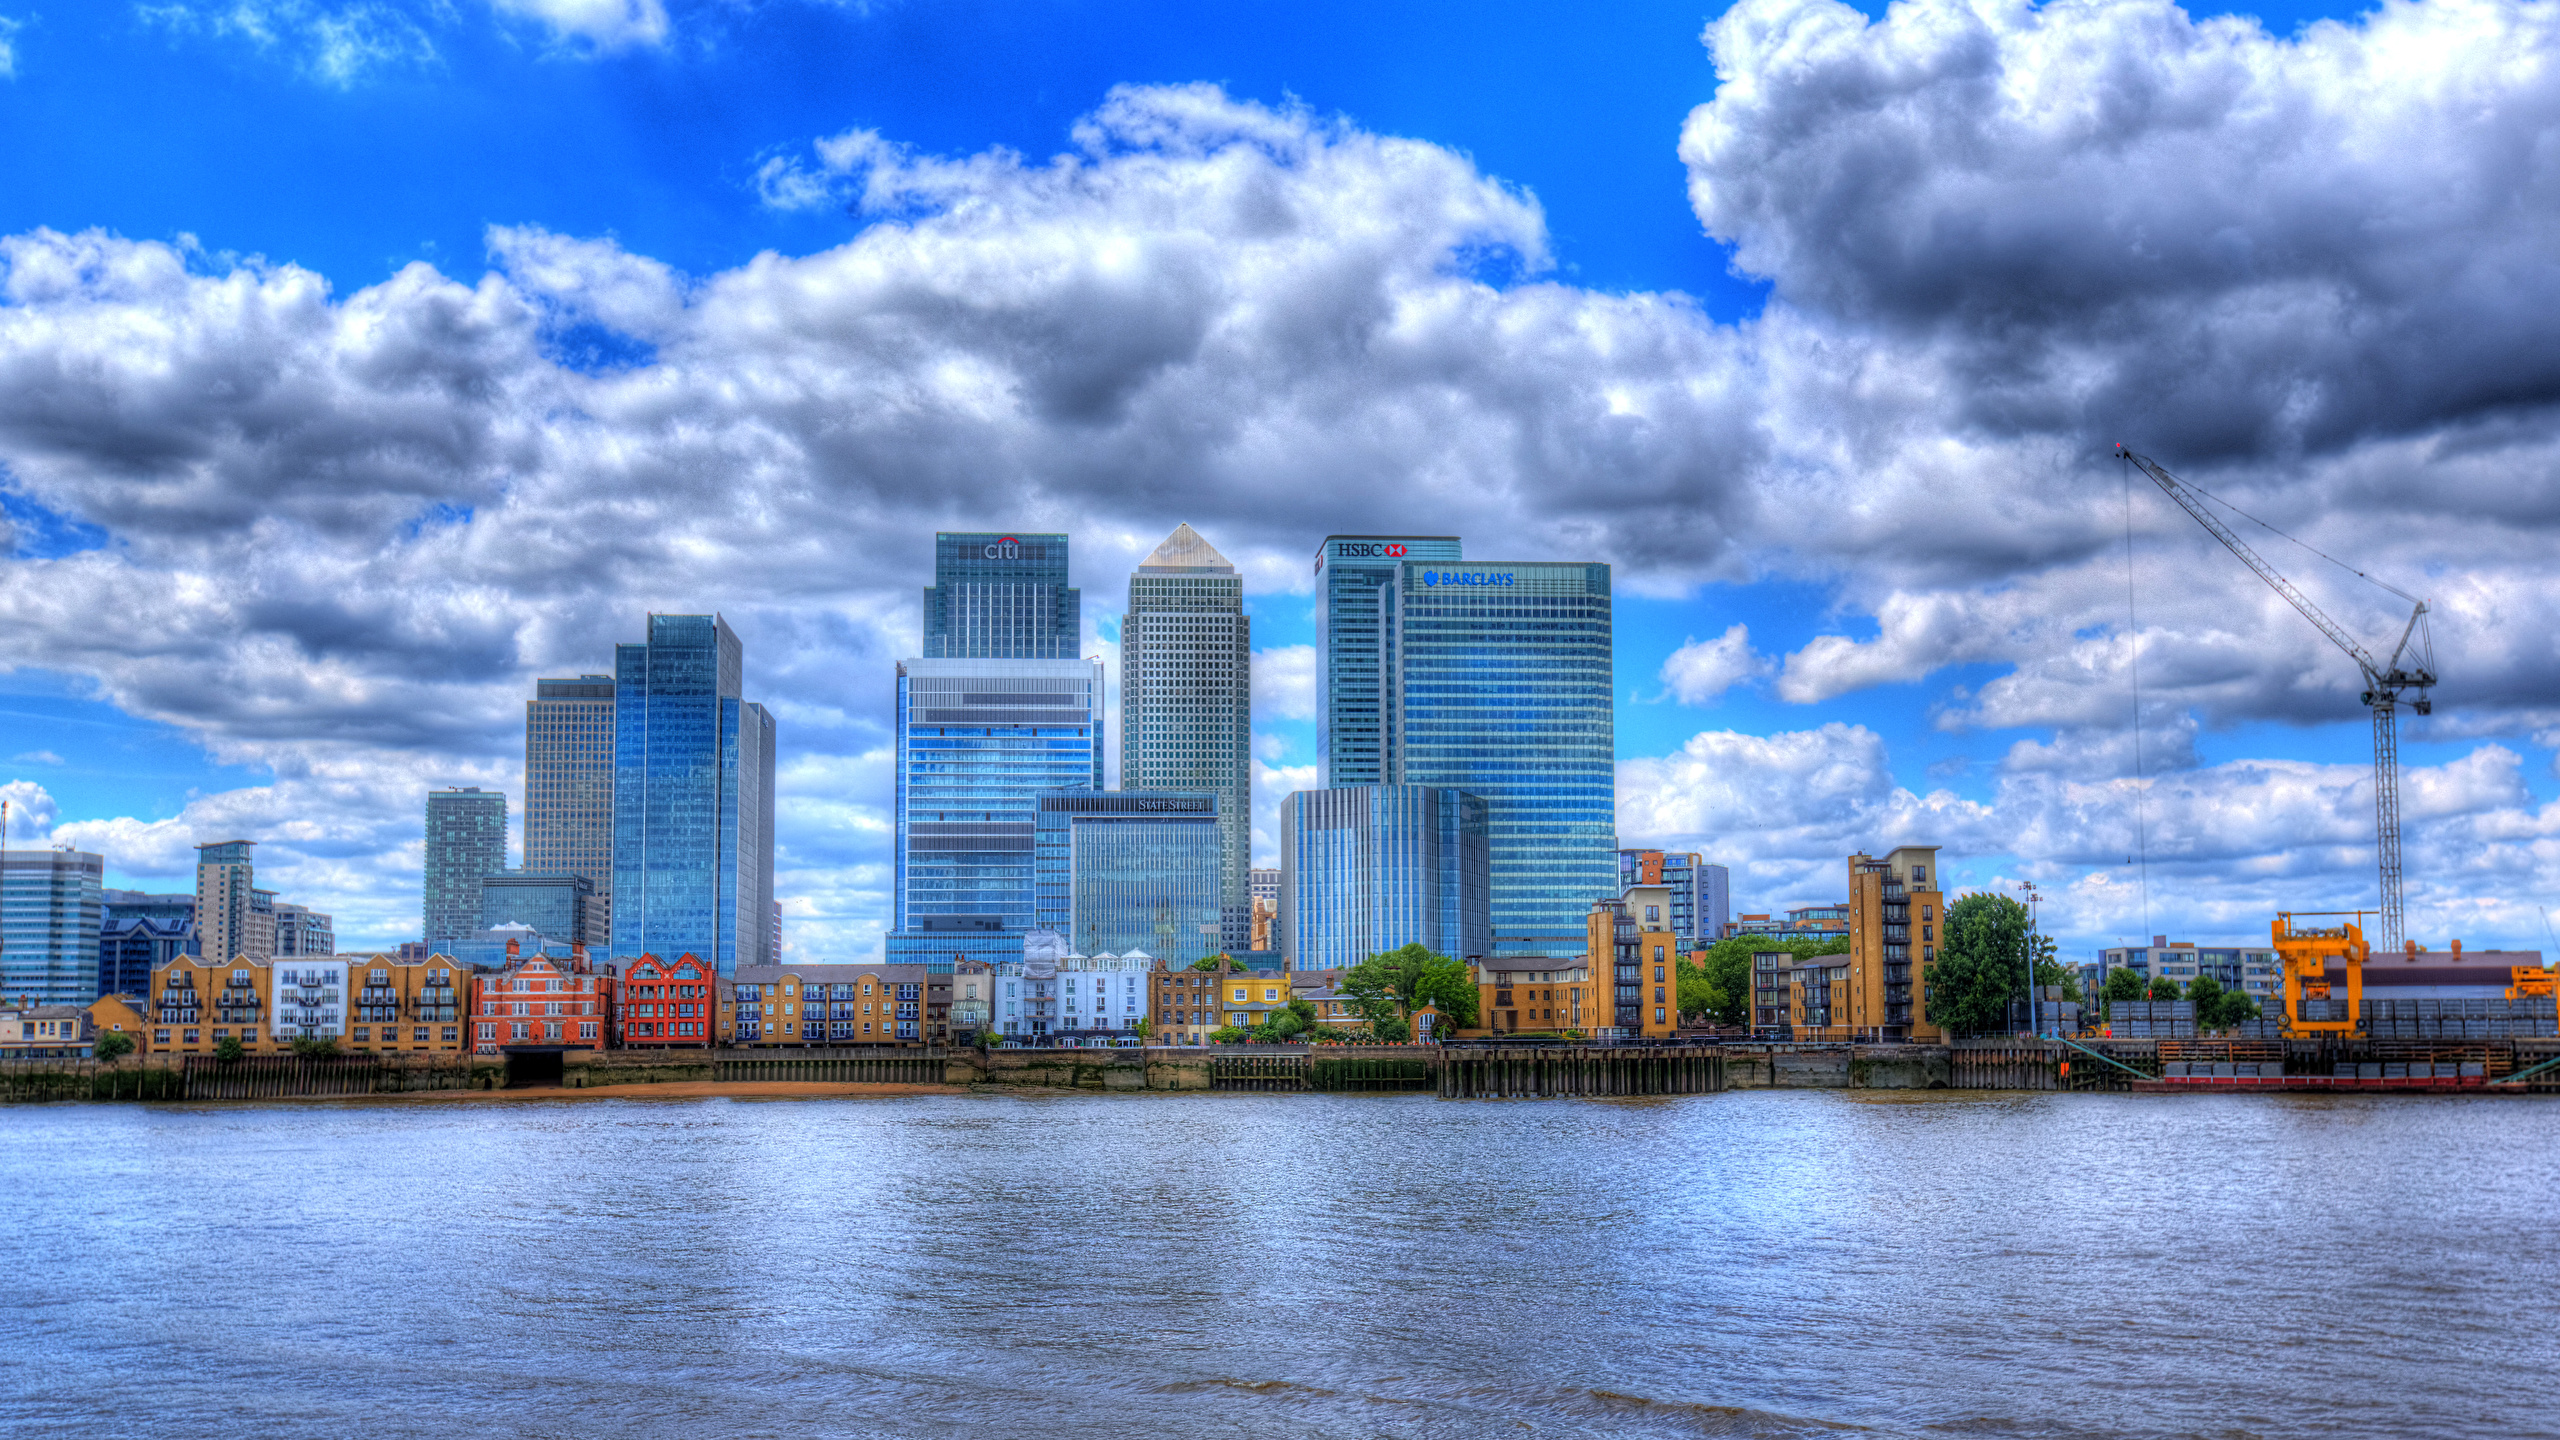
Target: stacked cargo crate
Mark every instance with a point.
(2152, 1019)
(2475, 1019)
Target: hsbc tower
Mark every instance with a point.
(1351, 570)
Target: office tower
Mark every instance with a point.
(224, 876)
(556, 907)
(301, 930)
(1122, 870)
(1699, 895)
(1266, 909)
(568, 786)
(138, 933)
(1351, 570)
(693, 765)
(466, 839)
(52, 904)
(1369, 868)
(1001, 597)
(1186, 701)
(258, 934)
(1499, 684)
(1715, 902)
(978, 741)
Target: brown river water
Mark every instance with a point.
(1756, 1263)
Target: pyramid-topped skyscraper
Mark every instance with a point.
(1186, 701)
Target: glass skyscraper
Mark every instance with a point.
(978, 741)
(1186, 703)
(1351, 570)
(693, 766)
(568, 786)
(1370, 868)
(466, 839)
(1499, 683)
(52, 905)
(1001, 597)
(1122, 870)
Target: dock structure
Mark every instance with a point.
(1504, 1072)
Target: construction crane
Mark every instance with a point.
(2385, 682)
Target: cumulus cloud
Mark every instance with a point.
(1271, 785)
(335, 44)
(1700, 671)
(1284, 682)
(605, 24)
(31, 810)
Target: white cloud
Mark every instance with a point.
(1271, 785)
(31, 810)
(335, 44)
(9, 47)
(1284, 682)
(1700, 671)
(38, 757)
(606, 24)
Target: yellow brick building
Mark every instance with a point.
(1539, 993)
(196, 1004)
(1895, 912)
(1635, 955)
(409, 1006)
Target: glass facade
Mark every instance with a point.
(1499, 684)
(556, 907)
(1122, 870)
(225, 875)
(1001, 597)
(978, 742)
(466, 839)
(568, 785)
(52, 907)
(1350, 686)
(1371, 868)
(1700, 892)
(693, 767)
(1186, 703)
(139, 933)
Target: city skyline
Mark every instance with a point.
(1878, 577)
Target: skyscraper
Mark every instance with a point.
(1498, 683)
(693, 765)
(1122, 870)
(224, 877)
(301, 930)
(1350, 572)
(1366, 869)
(52, 904)
(141, 933)
(466, 839)
(1001, 597)
(568, 786)
(978, 741)
(1186, 702)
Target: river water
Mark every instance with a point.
(1757, 1263)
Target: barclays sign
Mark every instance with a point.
(1493, 580)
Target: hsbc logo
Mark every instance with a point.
(1367, 550)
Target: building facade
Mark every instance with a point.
(556, 906)
(1265, 885)
(225, 876)
(412, 1007)
(46, 1032)
(195, 1004)
(1351, 682)
(52, 911)
(466, 839)
(1535, 993)
(130, 947)
(825, 1005)
(664, 1004)
(1053, 995)
(979, 741)
(2254, 970)
(1369, 868)
(1500, 684)
(1123, 870)
(1894, 912)
(1001, 597)
(1182, 1003)
(693, 776)
(568, 786)
(1638, 980)
(301, 930)
(310, 999)
(1186, 703)
(1803, 1000)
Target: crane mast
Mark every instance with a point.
(2385, 682)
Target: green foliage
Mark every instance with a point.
(316, 1047)
(1284, 1024)
(112, 1045)
(1230, 1035)
(1146, 1028)
(2207, 993)
(228, 1051)
(1981, 965)
(1209, 962)
(1384, 989)
(1728, 969)
(2125, 983)
(1698, 994)
(2164, 988)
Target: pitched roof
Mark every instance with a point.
(1185, 550)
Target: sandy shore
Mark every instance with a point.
(681, 1090)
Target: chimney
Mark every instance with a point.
(2159, 942)
(2457, 952)
(514, 948)
(578, 958)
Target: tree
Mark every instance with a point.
(1210, 962)
(1146, 1028)
(1727, 967)
(2207, 993)
(227, 1051)
(315, 1047)
(2126, 983)
(1698, 994)
(2163, 988)
(1230, 1035)
(1386, 988)
(112, 1045)
(1981, 966)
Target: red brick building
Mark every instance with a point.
(540, 1002)
(667, 1004)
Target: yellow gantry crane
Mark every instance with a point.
(2409, 672)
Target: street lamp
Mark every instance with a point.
(2035, 898)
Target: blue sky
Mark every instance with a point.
(604, 176)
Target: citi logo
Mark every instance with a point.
(1007, 548)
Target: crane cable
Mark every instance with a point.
(2133, 651)
(2305, 544)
